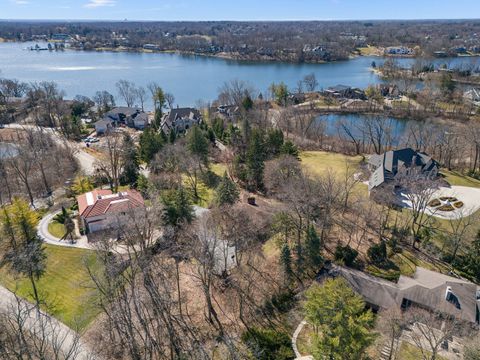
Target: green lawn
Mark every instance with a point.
(206, 193)
(411, 352)
(404, 263)
(65, 285)
(56, 229)
(319, 162)
(218, 169)
(459, 179)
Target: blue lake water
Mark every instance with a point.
(189, 78)
(331, 124)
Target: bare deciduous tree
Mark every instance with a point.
(127, 91)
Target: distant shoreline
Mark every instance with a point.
(238, 57)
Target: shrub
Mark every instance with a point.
(448, 198)
(458, 204)
(434, 203)
(346, 254)
(268, 344)
(281, 302)
(446, 207)
(378, 253)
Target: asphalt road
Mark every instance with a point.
(85, 159)
(57, 333)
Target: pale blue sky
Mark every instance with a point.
(239, 9)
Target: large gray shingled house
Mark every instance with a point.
(385, 167)
(426, 289)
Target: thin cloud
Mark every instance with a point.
(20, 2)
(98, 3)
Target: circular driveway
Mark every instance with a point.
(468, 195)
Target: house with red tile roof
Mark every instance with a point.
(101, 209)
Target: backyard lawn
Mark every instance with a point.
(318, 162)
(456, 178)
(207, 194)
(411, 352)
(65, 285)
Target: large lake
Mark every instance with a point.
(189, 78)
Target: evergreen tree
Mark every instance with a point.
(289, 148)
(255, 161)
(143, 185)
(226, 192)
(197, 144)
(378, 253)
(274, 142)
(218, 127)
(151, 143)
(313, 249)
(178, 208)
(23, 248)
(247, 103)
(447, 84)
(246, 131)
(286, 261)
(281, 94)
(131, 164)
(300, 259)
(342, 326)
(172, 136)
(159, 102)
(163, 136)
(82, 185)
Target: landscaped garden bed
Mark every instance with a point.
(445, 204)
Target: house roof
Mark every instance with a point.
(124, 110)
(103, 122)
(180, 114)
(426, 288)
(388, 164)
(141, 117)
(98, 202)
(338, 88)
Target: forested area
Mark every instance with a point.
(310, 41)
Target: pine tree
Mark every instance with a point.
(289, 148)
(255, 161)
(226, 192)
(131, 164)
(274, 142)
(151, 143)
(172, 136)
(160, 102)
(82, 185)
(313, 249)
(197, 144)
(343, 327)
(286, 261)
(178, 208)
(247, 103)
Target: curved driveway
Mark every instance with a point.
(45, 235)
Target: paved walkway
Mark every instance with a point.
(57, 333)
(297, 332)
